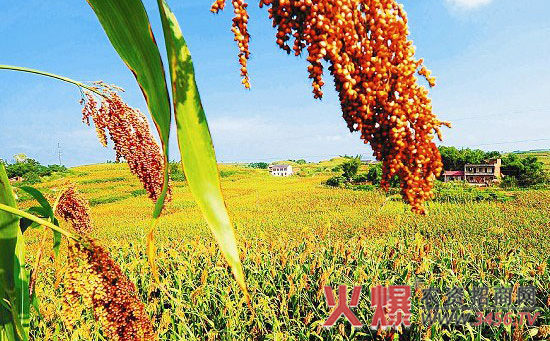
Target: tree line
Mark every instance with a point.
(29, 170)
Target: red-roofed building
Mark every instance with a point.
(478, 174)
(453, 176)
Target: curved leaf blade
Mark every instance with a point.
(195, 143)
(39, 197)
(14, 290)
(128, 28)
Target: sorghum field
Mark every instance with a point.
(295, 236)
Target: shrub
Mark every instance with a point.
(363, 177)
(176, 171)
(374, 175)
(335, 181)
(227, 173)
(258, 165)
(350, 167)
(509, 182)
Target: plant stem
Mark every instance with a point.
(52, 75)
(38, 221)
(34, 272)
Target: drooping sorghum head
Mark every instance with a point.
(129, 130)
(240, 32)
(74, 208)
(96, 281)
(365, 43)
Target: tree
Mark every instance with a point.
(31, 170)
(20, 157)
(527, 171)
(455, 159)
(301, 162)
(492, 155)
(351, 166)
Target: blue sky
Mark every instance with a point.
(491, 58)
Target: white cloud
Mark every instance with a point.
(468, 4)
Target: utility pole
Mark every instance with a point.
(59, 152)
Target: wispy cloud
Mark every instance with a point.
(468, 4)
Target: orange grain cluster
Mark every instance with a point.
(97, 281)
(74, 208)
(240, 32)
(365, 44)
(129, 130)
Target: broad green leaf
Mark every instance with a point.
(38, 196)
(56, 238)
(39, 211)
(45, 210)
(127, 26)
(195, 142)
(22, 283)
(14, 288)
(36, 305)
(25, 223)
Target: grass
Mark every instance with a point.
(295, 236)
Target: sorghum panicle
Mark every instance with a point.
(97, 281)
(74, 208)
(373, 64)
(240, 32)
(133, 141)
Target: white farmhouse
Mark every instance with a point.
(281, 170)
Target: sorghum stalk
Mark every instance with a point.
(38, 220)
(52, 75)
